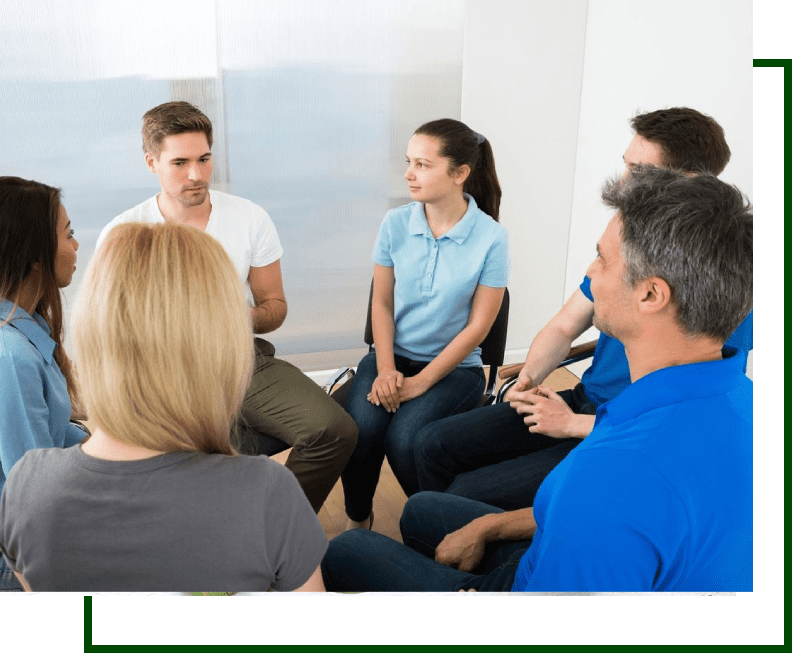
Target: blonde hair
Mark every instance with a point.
(162, 339)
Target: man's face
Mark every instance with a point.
(184, 168)
(612, 296)
(642, 151)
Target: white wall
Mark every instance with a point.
(522, 71)
(541, 77)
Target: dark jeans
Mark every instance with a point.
(382, 433)
(363, 561)
(489, 455)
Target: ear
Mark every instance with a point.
(461, 174)
(149, 158)
(654, 294)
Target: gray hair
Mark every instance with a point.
(696, 233)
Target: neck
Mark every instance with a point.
(667, 348)
(100, 445)
(174, 211)
(443, 214)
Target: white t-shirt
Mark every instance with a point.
(243, 228)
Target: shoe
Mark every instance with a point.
(353, 525)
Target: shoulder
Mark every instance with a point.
(233, 207)
(147, 211)
(400, 216)
(18, 356)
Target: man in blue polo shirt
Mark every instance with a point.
(659, 496)
(500, 454)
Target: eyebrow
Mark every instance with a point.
(184, 158)
(68, 225)
(599, 251)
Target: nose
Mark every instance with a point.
(76, 244)
(408, 174)
(194, 173)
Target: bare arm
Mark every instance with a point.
(553, 342)
(385, 389)
(314, 584)
(269, 301)
(545, 412)
(22, 581)
(483, 311)
(464, 548)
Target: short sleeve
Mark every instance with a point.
(585, 288)
(266, 243)
(296, 542)
(495, 273)
(382, 246)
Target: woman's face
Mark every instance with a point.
(428, 174)
(66, 256)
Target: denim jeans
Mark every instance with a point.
(8, 581)
(489, 455)
(382, 433)
(363, 561)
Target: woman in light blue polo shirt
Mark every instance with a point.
(38, 254)
(441, 266)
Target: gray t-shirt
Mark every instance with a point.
(181, 521)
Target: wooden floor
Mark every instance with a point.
(389, 499)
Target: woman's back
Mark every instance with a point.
(175, 522)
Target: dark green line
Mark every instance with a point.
(771, 63)
(87, 620)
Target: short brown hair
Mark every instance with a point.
(691, 141)
(173, 118)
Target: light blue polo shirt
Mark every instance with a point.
(34, 403)
(437, 277)
(609, 372)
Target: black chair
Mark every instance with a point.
(493, 348)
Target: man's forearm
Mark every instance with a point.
(268, 315)
(511, 525)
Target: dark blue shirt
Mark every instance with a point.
(659, 496)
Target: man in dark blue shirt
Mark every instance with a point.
(659, 496)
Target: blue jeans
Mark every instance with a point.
(8, 581)
(382, 433)
(363, 561)
(489, 455)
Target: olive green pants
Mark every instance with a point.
(284, 403)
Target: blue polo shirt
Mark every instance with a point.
(609, 373)
(34, 403)
(659, 496)
(437, 277)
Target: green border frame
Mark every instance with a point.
(756, 618)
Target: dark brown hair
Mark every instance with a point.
(462, 146)
(691, 141)
(29, 212)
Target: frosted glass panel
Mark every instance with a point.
(312, 102)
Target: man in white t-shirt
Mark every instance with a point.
(281, 402)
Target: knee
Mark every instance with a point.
(417, 510)
(343, 554)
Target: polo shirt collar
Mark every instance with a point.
(674, 384)
(419, 227)
(34, 328)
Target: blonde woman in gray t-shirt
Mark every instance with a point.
(157, 498)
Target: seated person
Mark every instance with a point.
(488, 454)
(659, 496)
(38, 254)
(157, 499)
(441, 267)
(281, 402)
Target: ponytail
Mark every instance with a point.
(463, 146)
